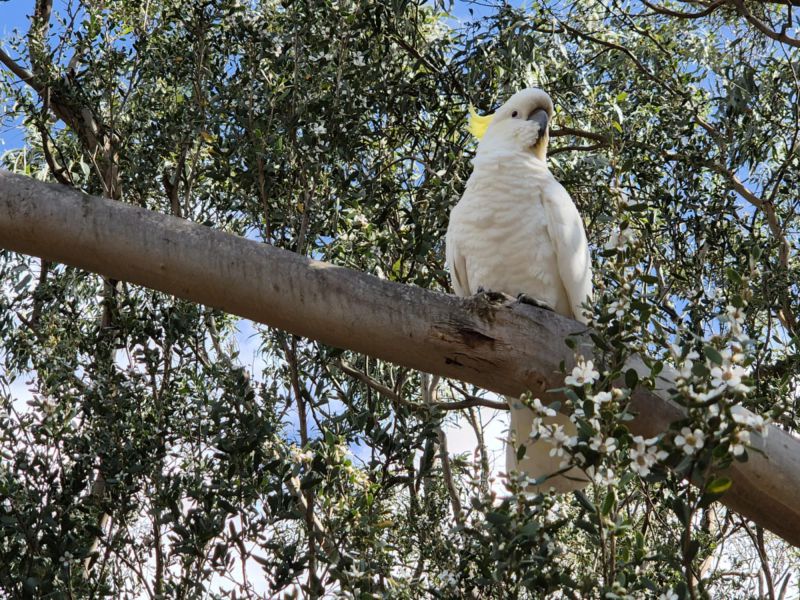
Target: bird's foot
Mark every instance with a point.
(494, 297)
(526, 299)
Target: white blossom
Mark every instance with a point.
(734, 354)
(540, 409)
(619, 307)
(735, 317)
(558, 438)
(685, 370)
(690, 441)
(619, 240)
(702, 397)
(302, 456)
(685, 367)
(583, 373)
(730, 376)
(739, 441)
(754, 422)
(602, 475)
(734, 313)
(600, 444)
(645, 454)
(668, 595)
(537, 428)
(601, 398)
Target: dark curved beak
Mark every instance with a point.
(539, 116)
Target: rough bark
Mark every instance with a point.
(503, 348)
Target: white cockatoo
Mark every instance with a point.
(517, 231)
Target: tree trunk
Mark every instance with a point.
(504, 348)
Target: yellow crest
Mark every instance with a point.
(478, 124)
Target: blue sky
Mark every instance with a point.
(13, 15)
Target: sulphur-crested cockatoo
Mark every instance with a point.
(517, 231)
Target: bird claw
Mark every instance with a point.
(494, 297)
(526, 299)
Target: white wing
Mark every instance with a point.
(458, 266)
(565, 226)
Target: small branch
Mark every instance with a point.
(627, 52)
(374, 384)
(685, 15)
(474, 420)
(25, 75)
(308, 496)
(562, 149)
(430, 391)
(589, 135)
(471, 402)
(763, 27)
(468, 402)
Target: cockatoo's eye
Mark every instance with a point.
(514, 114)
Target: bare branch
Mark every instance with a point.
(468, 402)
(24, 74)
(590, 135)
(430, 391)
(685, 15)
(563, 149)
(763, 27)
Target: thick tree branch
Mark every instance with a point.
(503, 348)
(21, 72)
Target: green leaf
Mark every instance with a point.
(631, 378)
(600, 342)
(712, 354)
(498, 519)
(657, 367)
(584, 501)
(608, 502)
(680, 510)
(529, 529)
(720, 485)
(521, 451)
(682, 590)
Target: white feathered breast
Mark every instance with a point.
(499, 236)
